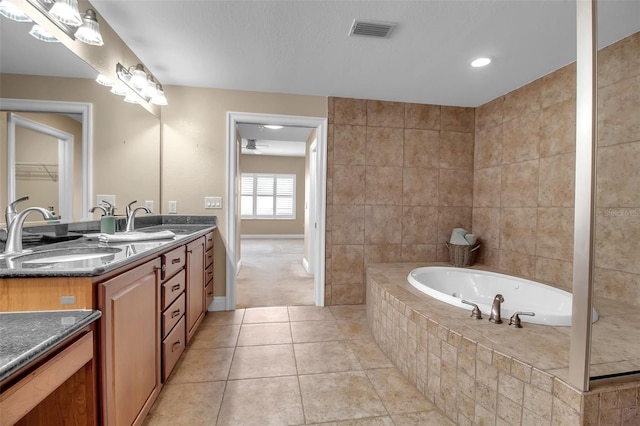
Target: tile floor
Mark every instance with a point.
(295, 365)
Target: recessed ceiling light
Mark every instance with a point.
(273, 126)
(480, 62)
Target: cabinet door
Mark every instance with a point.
(130, 334)
(195, 285)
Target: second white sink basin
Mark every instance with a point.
(66, 255)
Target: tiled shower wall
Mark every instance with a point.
(399, 179)
(524, 166)
(401, 176)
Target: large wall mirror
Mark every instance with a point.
(116, 149)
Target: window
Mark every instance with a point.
(268, 196)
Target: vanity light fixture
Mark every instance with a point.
(89, 31)
(103, 80)
(130, 99)
(480, 62)
(143, 84)
(66, 11)
(13, 12)
(159, 98)
(43, 35)
(118, 89)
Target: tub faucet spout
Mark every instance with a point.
(495, 309)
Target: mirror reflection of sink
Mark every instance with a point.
(66, 255)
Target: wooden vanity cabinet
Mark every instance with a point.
(195, 285)
(130, 344)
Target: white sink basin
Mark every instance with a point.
(66, 255)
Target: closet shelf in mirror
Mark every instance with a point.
(36, 171)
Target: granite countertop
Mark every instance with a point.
(28, 335)
(122, 253)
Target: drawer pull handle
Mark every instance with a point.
(176, 346)
(176, 260)
(175, 287)
(175, 313)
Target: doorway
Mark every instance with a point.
(233, 204)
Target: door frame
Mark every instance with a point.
(320, 124)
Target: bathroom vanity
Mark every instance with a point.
(152, 296)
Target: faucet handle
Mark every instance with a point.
(475, 313)
(515, 318)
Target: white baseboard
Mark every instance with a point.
(238, 266)
(219, 304)
(305, 265)
(271, 236)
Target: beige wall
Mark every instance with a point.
(194, 147)
(126, 138)
(524, 176)
(274, 164)
(399, 179)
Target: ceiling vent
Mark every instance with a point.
(376, 29)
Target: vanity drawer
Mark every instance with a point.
(209, 241)
(208, 295)
(208, 274)
(173, 288)
(208, 257)
(172, 348)
(172, 315)
(173, 261)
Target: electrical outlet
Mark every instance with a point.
(109, 198)
(212, 202)
(149, 204)
(173, 207)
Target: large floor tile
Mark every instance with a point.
(223, 318)
(310, 313)
(272, 401)
(339, 396)
(276, 333)
(349, 311)
(354, 328)
(425, 418)
(397, 394)
(270, 314)
(191, 404)
(369, 354)
(202, 365)
(370, 421)
(216, 336)
(315, 331)
(325, 357)
(263, 361)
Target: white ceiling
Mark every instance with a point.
(290, 141)
(302, 47)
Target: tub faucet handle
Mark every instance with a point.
(475, 313)
(515, 318)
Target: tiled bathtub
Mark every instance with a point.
(482, 373)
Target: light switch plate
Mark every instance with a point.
(173, 207)
(212, 202)
(101, 197)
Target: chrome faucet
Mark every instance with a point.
(495, 309)
(132, 215)
(93, 209)
(14, 231)
(106, 207)
(10, 212)
(127, 210)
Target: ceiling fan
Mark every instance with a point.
(252, 148)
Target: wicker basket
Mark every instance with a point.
(462, 255)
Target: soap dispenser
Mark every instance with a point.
(108, 221)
